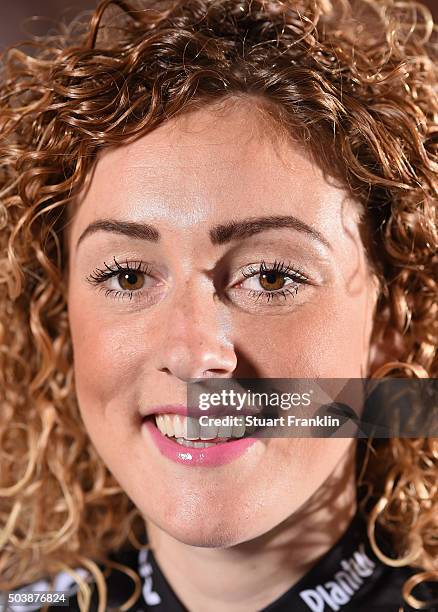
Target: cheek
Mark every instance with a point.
(328, 337)
(109, 354)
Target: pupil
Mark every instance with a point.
(271, 277)
(131, 277)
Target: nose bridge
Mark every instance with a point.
(196, 340)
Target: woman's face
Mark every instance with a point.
(196, 307)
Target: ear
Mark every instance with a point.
(387, 343)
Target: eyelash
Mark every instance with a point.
(287, 270)
(99, 276)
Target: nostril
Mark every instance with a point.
(218, 372)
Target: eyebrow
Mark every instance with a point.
(141, 231)
(244, 228)
(220, 234)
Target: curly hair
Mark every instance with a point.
(355, 81)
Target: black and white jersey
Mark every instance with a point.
(348, 578)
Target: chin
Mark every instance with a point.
(206, 536)
(205, 527)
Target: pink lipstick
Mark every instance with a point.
(218, 451)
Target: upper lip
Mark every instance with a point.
(193, 411)
(169, 409)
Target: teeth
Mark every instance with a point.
(178, 426)
(159, 422)
(168, 425)
(184, 442)
(225, 432)
(185, 429)
(208, 432)
(238, 430)
(191, 428)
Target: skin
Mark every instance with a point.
(197, 319)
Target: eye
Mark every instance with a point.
(268, 287)
(132, 279)
(276, 279)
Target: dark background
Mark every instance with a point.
(15, 14)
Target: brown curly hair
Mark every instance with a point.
(355, 80)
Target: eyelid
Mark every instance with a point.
(99, 276)
(297, 276)
(288, 269)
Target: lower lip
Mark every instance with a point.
(212, 456)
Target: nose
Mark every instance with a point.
(195, 342)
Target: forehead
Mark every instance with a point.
(209, 165)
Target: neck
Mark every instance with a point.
(214, 579)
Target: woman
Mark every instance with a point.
(228, 190)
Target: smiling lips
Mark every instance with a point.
(187, 431)
(183, 440)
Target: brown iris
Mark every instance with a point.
(270, 281)
(131, 280)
